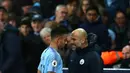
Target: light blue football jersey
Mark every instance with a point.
(50, 61)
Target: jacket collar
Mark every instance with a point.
(64, 23)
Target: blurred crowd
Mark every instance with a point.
(105, 21)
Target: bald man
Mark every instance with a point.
(126, 52)
(126, 55)
(83, 59)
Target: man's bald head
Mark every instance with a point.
(126, 51)
(80, 32)
(79, 38)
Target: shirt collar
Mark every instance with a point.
(62, 22)
(36, 33)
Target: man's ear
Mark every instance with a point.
(83, 39)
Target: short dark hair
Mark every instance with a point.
(58, 31)
(92, 8)
(25, 21)
(120, 11)
(71, 1)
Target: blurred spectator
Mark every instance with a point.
(36, 9)
(8, 5)
(48, 7)
(25, 26)
(93, 25)
(111, 33)
(36, 24)
(73, 19)
(18, 4)
(26, 7)
(3, 14)
(84, 4)
(12, 19)
(126, 54)
(99, 4)
(24, 30)
(72, 6)
(34, 45)
(120, 27)
(105, 18)
(11, 60)
(45, 34)
(113, 5)
(61, 17)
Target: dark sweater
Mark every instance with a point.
(100, 30)
(84, 61)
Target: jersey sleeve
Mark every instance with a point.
(52, 63)
(40, 65)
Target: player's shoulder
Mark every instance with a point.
(52, 52)
(46, 52)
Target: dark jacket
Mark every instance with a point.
(125, 63)
(100, 30)
(121, 36)
(74, 21)
(85, 61)
(33, 46)
(11, 60)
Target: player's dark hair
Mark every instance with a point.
(58, 31)
(92, 7)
